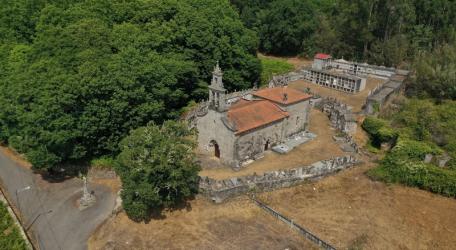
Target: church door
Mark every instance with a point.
(217, 150)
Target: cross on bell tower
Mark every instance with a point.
(217, 91)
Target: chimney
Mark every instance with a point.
(285, 94)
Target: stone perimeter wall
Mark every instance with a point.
(220, 190)
(340, 114)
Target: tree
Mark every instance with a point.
(157, 167)
(285, 24)
(436, 73)
(77, 76)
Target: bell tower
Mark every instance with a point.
(217, 91)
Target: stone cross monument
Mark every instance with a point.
(87, 198)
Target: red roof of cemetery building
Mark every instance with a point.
(247, 115)
(282, 95)
(322, 56)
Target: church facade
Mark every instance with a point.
(240, 130)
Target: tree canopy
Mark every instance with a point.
(436, 73)
(158, 168)
(381, 32)
(76, 76)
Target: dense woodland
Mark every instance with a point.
(77, 76)
(381, 32)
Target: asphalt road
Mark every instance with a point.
(66, 227)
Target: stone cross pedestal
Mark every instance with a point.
(87, 198)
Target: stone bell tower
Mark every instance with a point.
(217, 91)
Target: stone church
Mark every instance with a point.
(239, 129)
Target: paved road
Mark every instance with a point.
(66, 227)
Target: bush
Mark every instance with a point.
(104, 162)
(386, 134)
(414, 150)
(404, 164)
(379, 131)
(417, 174)
(423, 128)
(372, 125)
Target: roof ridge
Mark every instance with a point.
(246, 106)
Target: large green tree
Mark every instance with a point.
(158, 168)
(75, 77)
(380, 32)
(436, 73)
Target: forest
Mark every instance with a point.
(77, 76)
(381, 32)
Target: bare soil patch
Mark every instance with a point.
(355, 100)
(237, 224)
(321, 148)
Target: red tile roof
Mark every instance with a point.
(282, 95)
(240, 103)
(322, 56)
(248, 115)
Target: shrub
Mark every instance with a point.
(417, 174)
(104, 162)
(404, 164)
(386, 134)
(415, 150)
(372, 125)
(379, 131)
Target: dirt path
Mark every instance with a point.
(322, 148)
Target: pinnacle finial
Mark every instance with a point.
(217, 69)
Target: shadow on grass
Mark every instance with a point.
(159, 213)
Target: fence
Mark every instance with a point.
(295, 226)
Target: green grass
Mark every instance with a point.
(10, 237)
(273, 67)
(103, 162)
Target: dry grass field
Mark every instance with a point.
(348, 210)
(237, 224)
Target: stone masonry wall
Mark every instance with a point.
(340, 115)
(220, 190)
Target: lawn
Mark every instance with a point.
(273, 66)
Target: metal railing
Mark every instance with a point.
(321, 243)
